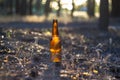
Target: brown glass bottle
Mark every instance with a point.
(55, 43)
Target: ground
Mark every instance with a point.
(87, 52)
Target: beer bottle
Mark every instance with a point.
(55, 43)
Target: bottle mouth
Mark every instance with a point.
(55, 21)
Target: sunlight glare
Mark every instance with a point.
(54, 5)
(66, 1)
(69, 7)
(79, 2)
(97, 1)
(67, 4)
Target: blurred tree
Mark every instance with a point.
(38, 5)
(47, 8)
(17, 6)
(30, 7)
(1, 6)
(8, 6)
(73, 8)
(115, 8)
(91, 8)
(104, 15)
(59, 9)
(1, 3)
(23, 7)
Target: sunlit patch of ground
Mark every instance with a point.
(64, 18)
(34, 18)
(28, 18)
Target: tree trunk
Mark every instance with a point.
(23, 7)
(104, 15)
(47, 8)
(91, 8)
(30, 7)
(115, 8)
(38, 5)
(73, 8)
(17, 6)
(8, 6)
(58, 11)
(2, 6)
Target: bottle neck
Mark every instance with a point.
(55, 28)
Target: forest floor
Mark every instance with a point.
(87, 52)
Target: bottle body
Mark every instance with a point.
(55, 44)
(55, 49)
